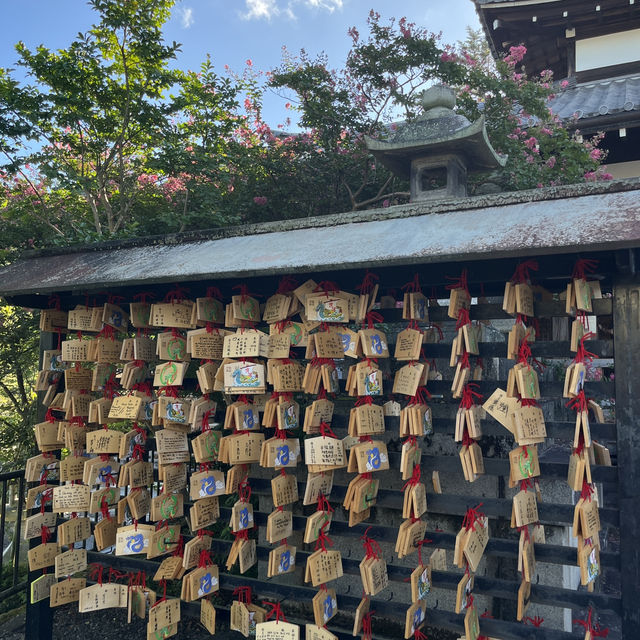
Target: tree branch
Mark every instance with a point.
(395, 194)
(12, 397)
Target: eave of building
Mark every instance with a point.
(543, 35)
(554, 221)
(603, 105)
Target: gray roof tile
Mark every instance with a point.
(601, 98)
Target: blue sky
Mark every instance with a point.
(233, 31)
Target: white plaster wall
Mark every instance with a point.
(604, 51)
(621, 170)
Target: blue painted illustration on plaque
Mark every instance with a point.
(175, 412)
(373, 459)
(330, 311)
(135, 543)
(282, 456)
(372, 384)
(285, 562)
(290, 419)
(246, 377)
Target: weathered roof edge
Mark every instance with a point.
(390, 213)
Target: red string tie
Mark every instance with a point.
(366, 625)
(205, 559)
(243, 594)
(415, 477)
(275, 610)
(579, 403)
(326, 431)
(472, 516)
(179, 550)
(582, 355)
(323, 504)
(458, 283)
(589, 625)
(368, 282)
(371, 547)
(420, 544)
(536, 622)
(323, 539)
(327, 287)
(470, 396)
(96, 573)
(413, 286)
(372, 317)
(582, 267)
(463, 318)
(107, 332)
(176, 295)
(286, 285)
(521, 274)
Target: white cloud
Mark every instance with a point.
(329, 5)
(266, 9)
(186, 17)
(258, 9)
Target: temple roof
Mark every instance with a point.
(601, 98)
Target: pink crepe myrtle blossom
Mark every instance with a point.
(515, 55)
(595, 154)
(260, 200)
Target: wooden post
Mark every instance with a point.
(626, 327)
(39, 616)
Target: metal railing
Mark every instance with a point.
(11, 513)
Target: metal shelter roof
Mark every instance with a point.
(589, 217)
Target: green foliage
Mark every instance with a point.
(9, 605)
(18, 366)
(95, 108)
(107, 139)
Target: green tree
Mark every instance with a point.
(476, 50)
(385, 73)
(18, 367)
(91, 115)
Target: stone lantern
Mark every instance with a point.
(438, 149)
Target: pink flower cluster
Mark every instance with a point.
(515, 55)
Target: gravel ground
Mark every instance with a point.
(109, 624)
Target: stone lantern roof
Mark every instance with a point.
(440, 139)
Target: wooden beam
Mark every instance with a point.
(626, 322)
